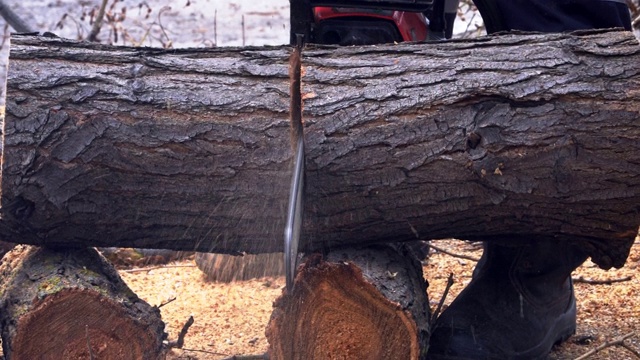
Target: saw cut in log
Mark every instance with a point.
(353, 304)
(72, 304)
(502, 137)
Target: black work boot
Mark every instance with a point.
(519, 303)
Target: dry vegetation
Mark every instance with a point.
(230, 318)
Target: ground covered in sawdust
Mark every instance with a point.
(230, 318)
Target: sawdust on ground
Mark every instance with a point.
(230, 318)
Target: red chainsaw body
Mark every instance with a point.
(345, 21)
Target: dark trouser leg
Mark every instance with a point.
(554, 15)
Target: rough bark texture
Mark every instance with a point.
(354, 304)
(228, 268)
(56, 304)
(504, 137)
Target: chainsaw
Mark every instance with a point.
(371, 22)
(349, 22)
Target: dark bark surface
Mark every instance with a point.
(5, 247)
(353, 304)
(504, 137)
(58, 304)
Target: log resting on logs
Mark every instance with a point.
(501, 137)
(58, 304)
(353, 304)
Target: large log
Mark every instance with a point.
(353, 304)
(497, 138)
(72, 304)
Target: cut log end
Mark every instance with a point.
(70, 322)
(70, 304)
(349, 316)
(337, 310)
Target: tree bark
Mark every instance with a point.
(72, 304)
(5, 247)
(502, 137)
(354, 304)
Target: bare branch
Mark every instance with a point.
(204, 351)
(14, 20)
(247, 357)
(167, 302)
(442, 299)
(617, 341)
(243, 31)
(180, 342)
(169, 43)
(444, 251)
(631, 350)
(584, 280)
(156, 268)
(635, 13)
(93, 35)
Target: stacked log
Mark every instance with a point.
(353, 304)
(72, 304)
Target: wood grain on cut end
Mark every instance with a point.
(336, 312)
(64, 325)
(72, 304)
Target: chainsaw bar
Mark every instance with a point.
(296, 192)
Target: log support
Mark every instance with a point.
(72, 304)
(353, 304)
